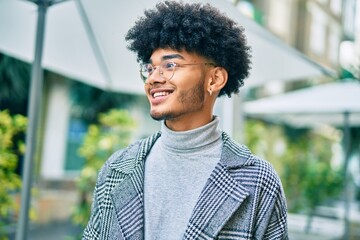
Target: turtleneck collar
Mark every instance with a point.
(188, 141)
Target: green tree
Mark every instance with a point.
(304, 164)
(14, 82)
(112, 133)
(11, 149)
(88, 101)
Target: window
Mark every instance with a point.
(336, 6)
(77, 130)
(334, 42)
(280, 11)
(317, 30)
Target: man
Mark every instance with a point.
(189, 180)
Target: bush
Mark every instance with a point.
(112, 133)
(12, 129)
(303, 163)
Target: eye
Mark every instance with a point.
(169, 66)
(148, 68)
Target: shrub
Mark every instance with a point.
(112, 133)
(12, 147)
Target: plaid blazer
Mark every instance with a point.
(242, 199)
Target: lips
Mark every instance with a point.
(159, 95)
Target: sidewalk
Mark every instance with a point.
(60, 230)
(321, 228)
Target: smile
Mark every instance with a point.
(160, 94)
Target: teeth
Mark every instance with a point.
(160, 94)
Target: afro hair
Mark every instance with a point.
(197, 28)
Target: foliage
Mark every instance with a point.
(14, 82)
(112, 133)
(88, 101)
(11, 149)
(308, 177)
(303, 163)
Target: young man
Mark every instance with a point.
(189, 180)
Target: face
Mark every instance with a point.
(181, 100)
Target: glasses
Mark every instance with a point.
(166, 69)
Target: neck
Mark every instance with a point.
(188, 141)
(185, 124)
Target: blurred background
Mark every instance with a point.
(300, 108)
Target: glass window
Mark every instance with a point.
(334, 42)
(350, 19)
(77, 130)
(280, 17)
(336, 6)
(317, 30)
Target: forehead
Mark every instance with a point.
(162, 54)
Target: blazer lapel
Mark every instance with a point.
(127, 196)
(221, 196)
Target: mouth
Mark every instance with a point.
(160, 93)
(158, 96)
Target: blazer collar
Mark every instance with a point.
(222, 194)
(137, 153)
(127, 197)
(235, 155)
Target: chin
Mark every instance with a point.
(157, 118)
(161, 116)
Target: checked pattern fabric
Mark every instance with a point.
(242, 199)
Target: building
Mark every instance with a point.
(317, 28)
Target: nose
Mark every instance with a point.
(156, 76)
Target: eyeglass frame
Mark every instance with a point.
(161, 66)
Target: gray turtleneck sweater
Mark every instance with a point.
(176, 171)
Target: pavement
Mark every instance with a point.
(321, 228)
(59, 230)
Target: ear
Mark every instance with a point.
(219, 77)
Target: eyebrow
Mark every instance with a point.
(170, 56)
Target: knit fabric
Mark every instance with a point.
(176, 171)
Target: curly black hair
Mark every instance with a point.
(196, 28)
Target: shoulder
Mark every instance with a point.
(124, 160)
(242, 162)
(267, 177)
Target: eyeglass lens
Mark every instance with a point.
(166, 70)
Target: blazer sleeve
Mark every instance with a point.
(272, 225)
(98, 226)
(270, 205)
(277, 227)
(93, 229)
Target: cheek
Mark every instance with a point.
(186, 80)
(193, 94)
(146, 90)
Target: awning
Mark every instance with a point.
(84, 40)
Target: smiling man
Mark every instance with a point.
(190, 180)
